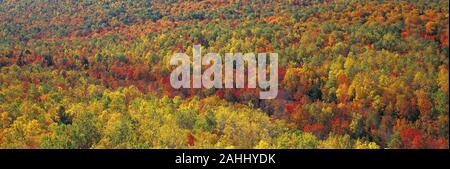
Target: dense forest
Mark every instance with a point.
(352, 74)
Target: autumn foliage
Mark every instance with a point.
(352, 74)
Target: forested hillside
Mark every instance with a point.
(352, 74)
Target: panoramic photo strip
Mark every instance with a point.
(175, 76)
